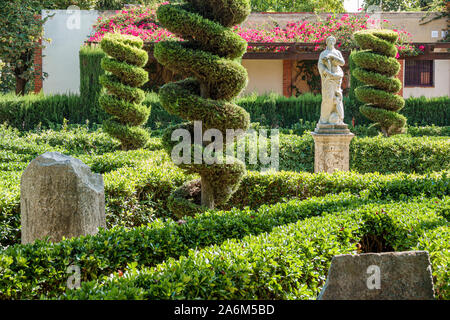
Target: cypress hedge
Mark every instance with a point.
(29, 111)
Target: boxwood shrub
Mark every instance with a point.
(137, 193)
(290, 262)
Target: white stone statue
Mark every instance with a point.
(330, 63)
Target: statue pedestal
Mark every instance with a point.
(332, 147)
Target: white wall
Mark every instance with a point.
(441, 83)
(67, 30)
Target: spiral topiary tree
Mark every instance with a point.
(210, 58)
(376, 68)
(123, 99)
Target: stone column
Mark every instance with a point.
(60, 197)
(332, 147)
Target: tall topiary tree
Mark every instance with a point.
(376, 69)
(210, 59)
(123, 99)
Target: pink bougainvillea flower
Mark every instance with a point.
(142, 22)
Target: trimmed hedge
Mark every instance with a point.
(302, 127)
(210, 58)
(376, 68)
(420, 155)
(436, 242)
(291, 262)
(35, 110)
(278, 111)
(122, 98)
(426, 111)
(370, 154)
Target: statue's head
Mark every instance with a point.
(331, 41)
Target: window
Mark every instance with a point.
(419, 73)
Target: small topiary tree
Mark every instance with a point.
(123, 99)
(210, 58)
(376, 68)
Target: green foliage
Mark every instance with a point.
(258, 189)
(279, 111)
(376, 68)
(370, 154)
(428, 131)
(159, 118)
(297, 6)
(420, 155)
(76, 140)
(394, 5)
(155, 243)
(123, 100)
(302, 127)
(98, 4)
(342, 217)
(64, 4)
(226, 12)
(418, 110)
(39, 110)
(436, 242)
(20, 29)
(210, 59)
(1, 67)
(139, 185)
(119, 4)
(90, 87)
(353, 104)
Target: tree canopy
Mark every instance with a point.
(297, 5)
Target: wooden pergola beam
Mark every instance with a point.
(305, 51)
